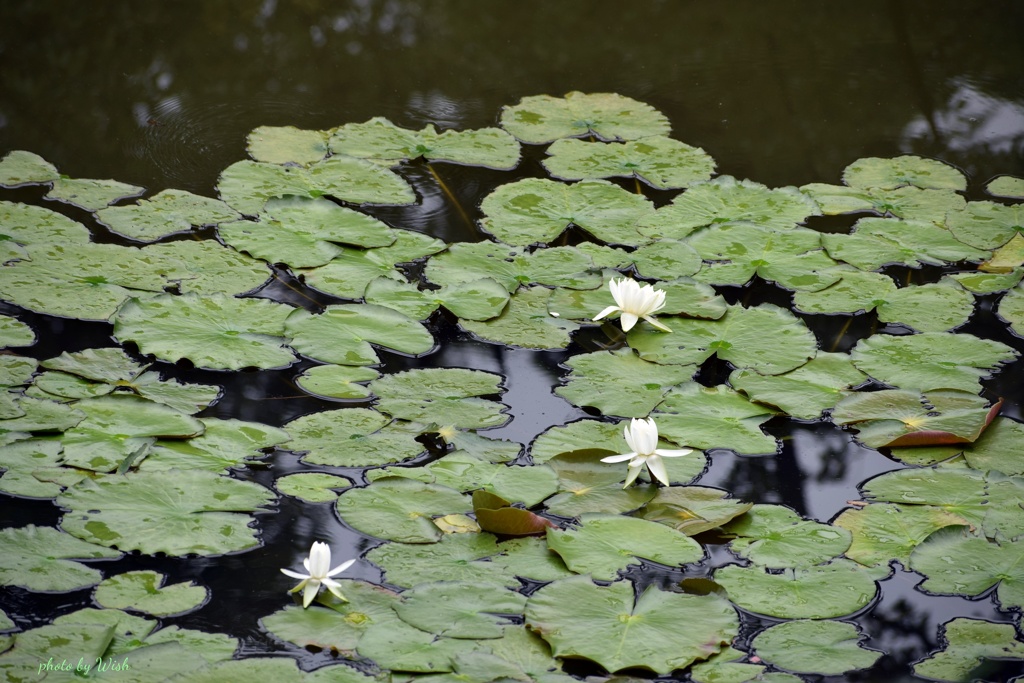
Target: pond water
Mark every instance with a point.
(163, 95)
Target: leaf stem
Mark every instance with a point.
(451, 197)
(639, 188)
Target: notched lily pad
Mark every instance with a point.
(714, 417)
(312, 487)
(467, 262)
(459, 609)
(805, 392)
(539, 119)
(447, 396)
(969, 643)
(886, 531)
(399, 509)
(144, 591)
(13, 332)
(822, 647)
(26, 168)
(352, 437)
(166, 212)
(889, 174)
(659, 161)
(343, 333)
(875, 242)
(91, 195)
(986, 225)
(775, 536)
(287, 145)
(42, 559)
(525, 323)
(337, 381)
(496, 515)
(979, 565)
(693, 509)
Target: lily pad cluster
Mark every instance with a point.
(501, 560)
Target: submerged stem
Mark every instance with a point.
(842, 333)
(296, 289)
(451, 197)
(639, 187)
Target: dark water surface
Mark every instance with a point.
(162, 94)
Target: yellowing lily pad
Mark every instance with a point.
(693, 509)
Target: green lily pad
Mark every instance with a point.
(206, 267)
(398, 509)
(247, 185)
(25, 168)
(476, 300)
(217, 331)
(605, 544)
(724, 668)
(619, 382)
(339, 625)
(986, 225)
(271, 670)
(682, 296)
(337, 381)
(525, 323)
(693, 509)
(823, 647)
(42, 559)
(768, 339)
(447, 396)
(512, 266)
(455, 557)
(875, 242)
(576, 436)
(459, 609)
(714, 417)
(110, 364)
(91, 195)
(587, 485)
(540, 119)
(26, 225)
(38, 415)
(286, 145)
(855, 291)
(980, 565)
(727, 200)
(343, 333)
(178, 512)
(519, 655)
(406, 648)
(28, 465)
(934, 307)
(352, 437)
(223, 444)
(911, 203)
(380, 140)
(1006, 186)
(537, 210)
(899, 417)
(348, 274)
(805, 392)
(968, 644)
(931, 360)
(823, 592)
(666, 260)
(1011, 309)
(481, 447)
(143, 591)
(16, 370)
(119, 427)
(13, 332)
(605, 625)
(988, 283)
(735, 252)
(995, 448)
(776, 536)
(889, 174)
(312, 487)
(884, 531)
(659, 161)
(167, 212)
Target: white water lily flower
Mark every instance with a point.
(642, 437)
(635, 301)
(317, 564)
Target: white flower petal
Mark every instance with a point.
(645, 436)
(628, 319)
(607, 311)
(631, 477)
(619, 458)
(294, 575)
(660, 326)
(657, 469)
(672, 453)
(312, 588)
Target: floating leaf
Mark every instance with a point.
(588, 485)
(960, 492)
(496, 515)
(483, 448)
(659, 161)
(286, 145)
(637, 385)
(343, 333)
(177, 512)
(988, 283)
(1011, 309)
(606, 544)
(399, 509)
(455, 557)
(889, 174)
(27, 225)
(207, 267)
(979, 565)
(312, 487)
(911, 203)
(823, 592)
(91, 195)
(776, 536)
(768, 339)
(875, 242)
(37, 415)
(899, 417)
(735, 252)
(986, 225)
(714, 417)
(247, 185)
(27, 464)
(380, 140)
(13, 332)
(446, 396)
(223, 444)
(271, 670)
(477, 300)
(525, 323)
(217, 331)
(337, 381)
(143, 591)
(727, 200)
(25, 168)
(537, 210)
(352, 437)
(822, 647)
(693, 509)
(603, 624)
(682, 296)
(512, 266)
(883, 532)
(995, 449)
(41, 559)
(805, 392)
(165, 213)
(539, 119)
(855, 291)
(576, 436)
(723, 668)
(1006, 186)
(459, 609)
(934, 307)
(406, 648)
(931, 360)
(969, 643)
(1007, 258)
